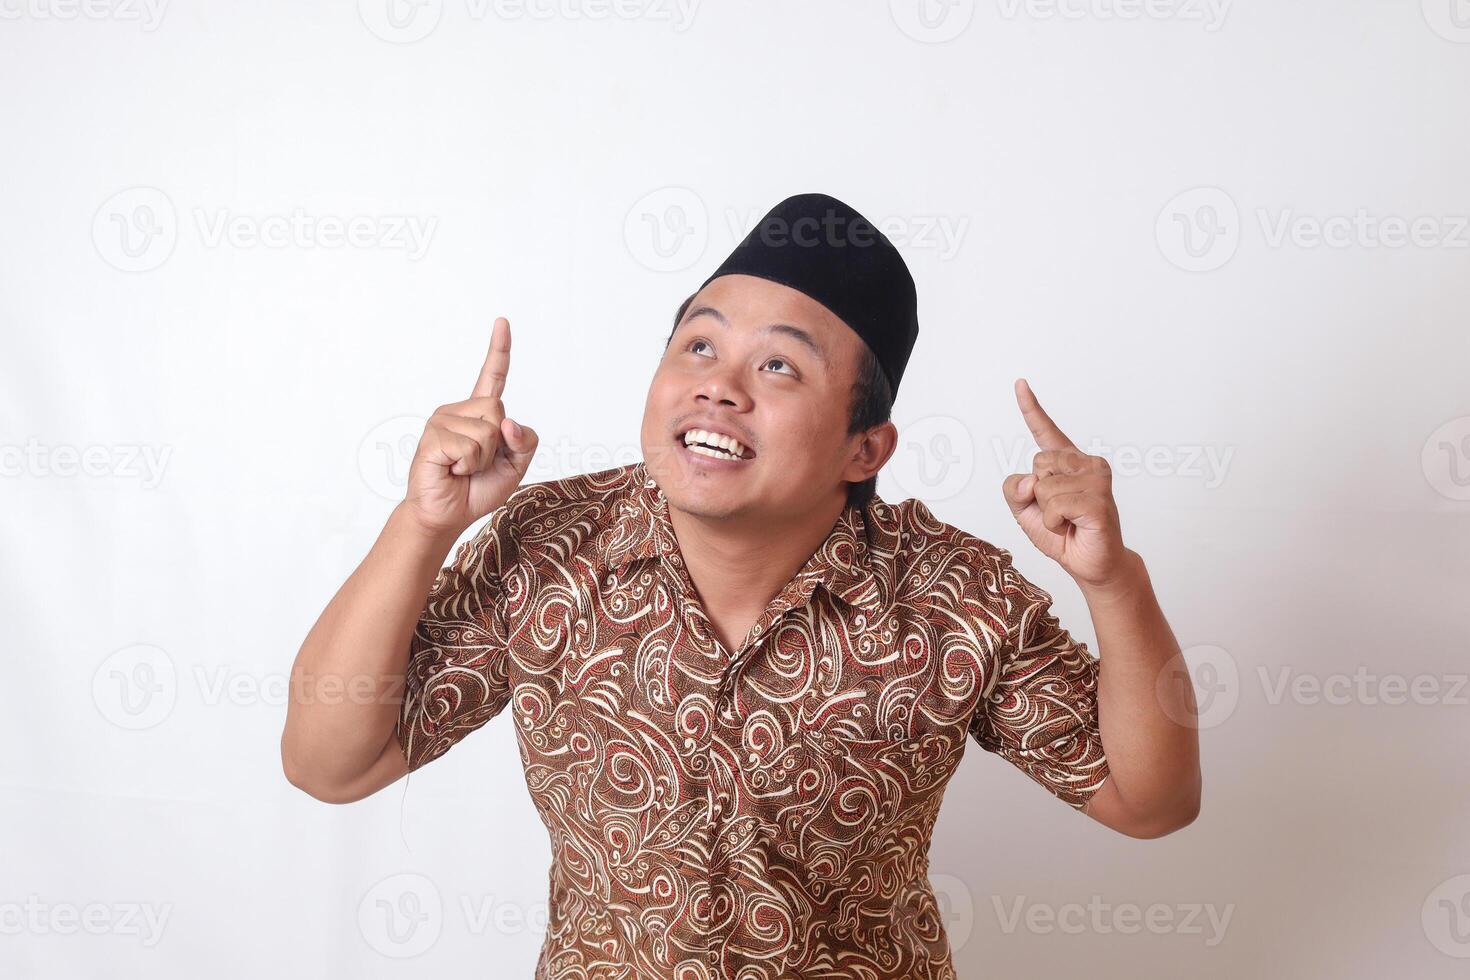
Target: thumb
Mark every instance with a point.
(1020, 491)
(520, 443)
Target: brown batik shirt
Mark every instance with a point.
(754, 813)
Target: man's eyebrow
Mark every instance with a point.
(795, 333)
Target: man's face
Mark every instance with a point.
(737, 364)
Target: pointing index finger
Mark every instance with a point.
(1043, 429)
(491, 382)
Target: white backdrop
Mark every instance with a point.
(247, 247)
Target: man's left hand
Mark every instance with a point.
(1065, 504)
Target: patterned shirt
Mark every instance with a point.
(754, 813)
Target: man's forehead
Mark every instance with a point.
(750, 303)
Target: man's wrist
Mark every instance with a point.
(406, 521)
(1130, 580)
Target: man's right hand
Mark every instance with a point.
(471, 457)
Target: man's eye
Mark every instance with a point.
(694, 343)
(782, 360)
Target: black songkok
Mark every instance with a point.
(824, 248)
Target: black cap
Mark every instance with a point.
(824, 248)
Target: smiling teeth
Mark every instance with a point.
(698, 439)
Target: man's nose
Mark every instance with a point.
(724, 386)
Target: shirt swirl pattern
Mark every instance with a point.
(759, 813)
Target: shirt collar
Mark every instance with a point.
(842, 564)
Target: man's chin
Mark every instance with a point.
(706, 503)
(685, 475)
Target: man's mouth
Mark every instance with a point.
(715, 445)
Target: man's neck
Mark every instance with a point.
(738, 568)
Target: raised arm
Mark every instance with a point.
(1066, 507)
(338, 744)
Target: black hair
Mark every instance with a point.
(872, 404)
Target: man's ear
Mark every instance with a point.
(871, 452)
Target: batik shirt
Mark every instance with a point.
(753, 813)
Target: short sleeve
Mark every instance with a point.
(457, 676)
(1041, 710)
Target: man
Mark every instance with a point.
(740, 679)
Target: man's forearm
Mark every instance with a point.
(1153, 760)
(347, 681)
